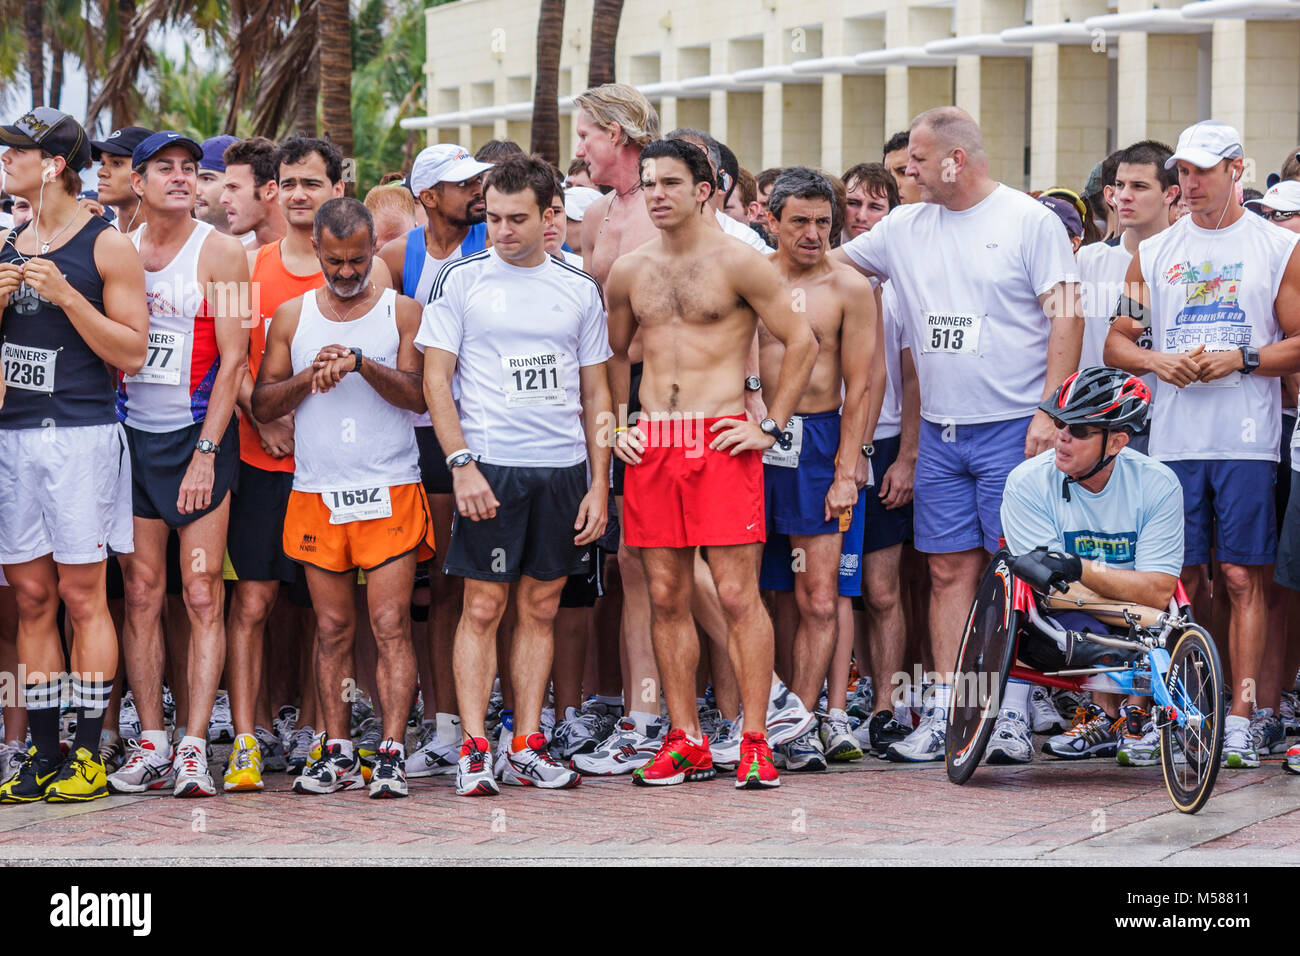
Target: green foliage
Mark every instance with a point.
(188, 98)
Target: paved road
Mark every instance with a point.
(870, 812)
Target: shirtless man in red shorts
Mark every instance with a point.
(695, 474)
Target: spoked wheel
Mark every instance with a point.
(987, 650)
(1190, 753)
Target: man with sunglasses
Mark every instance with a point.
(1110, 518)
(1280, 205)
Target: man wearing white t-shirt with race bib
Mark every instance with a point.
(986, 281)
(515, 345)
(1219, 289)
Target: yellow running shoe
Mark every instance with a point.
(244, 770)
(81, 778)
(31, 781)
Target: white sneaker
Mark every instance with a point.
(1010, 742)
(725, 747)
(434, 757)
(144, 769)
(1044, 718)
(1238, 749)
(837, 737)
(624, 750)
(787, 717)
(12, 756)
(282, 726)
(533, 767)
(192, 777)
(128, 720)
(474, 774)
(221, 726)
(925, 743)
(805, 752)
(1289, 712)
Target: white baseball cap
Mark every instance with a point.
(1206, 144)
(577, 199)
(1284, 197)
(444, 163)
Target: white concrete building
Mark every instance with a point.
(1055, 84)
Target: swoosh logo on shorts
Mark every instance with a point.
(751, 527)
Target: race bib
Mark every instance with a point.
(29, 368)
(358, 504)
(785, 453)
(163, 361)
(1231, 380)
(532, 380)
(957, 333)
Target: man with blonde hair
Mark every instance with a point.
(393, 208)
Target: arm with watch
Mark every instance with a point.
(474, 497)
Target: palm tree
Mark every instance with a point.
(546, 109)
(34, 24)
(333, 28)
(605, 16)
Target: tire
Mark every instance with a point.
(988, 648)
(1189, 756)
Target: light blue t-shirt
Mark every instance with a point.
(1135, 523)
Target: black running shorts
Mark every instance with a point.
(158, 464)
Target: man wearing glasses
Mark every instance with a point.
(1280, 205)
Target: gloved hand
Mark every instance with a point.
(1045, 568)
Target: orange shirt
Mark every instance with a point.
(275, 286)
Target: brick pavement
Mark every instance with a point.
(866, 811)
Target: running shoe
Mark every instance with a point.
(128, 719)
(725, 748)
(12, 756)
(300, 746)
(547, 722)
(221, 726)
(756, 771)
(805, 753)
(925, 743)
(534, 767)
(1044, 718)
(496, 705)
(1068, 702)
(192, 777)
(388, 779)
(273, 755)
(861, 700)
(710, 721)
(1289, 713)
(80, 779)
(1266, 732)
(282, 726)
(32, 780)
(371, 736)
(474, 776)
(361, 711)
(244, 769)
(112, 751)
(332, 772)
(505, 734)
(1093, 734)
(787, 717)
(677, 761)
(1139, 742)
(1292, 763)
(169, 707)
(837, 737)
(1238, 748)
(145, 769)
(583, 731)
(1010, 742)
(883, 731)
(415, 719)
(623, 751)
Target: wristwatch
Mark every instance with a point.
(753, 384)
(460, 461)
(205, 446)
(770, 427)
(1249, 359)
(357, 352)
(868, 451)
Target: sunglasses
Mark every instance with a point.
(1081, 432)
(1278, 215)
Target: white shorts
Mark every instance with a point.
(64, 491)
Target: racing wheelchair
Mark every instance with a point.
(1161, 654)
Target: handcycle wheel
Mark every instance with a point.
(1189, 754)
(988, 648)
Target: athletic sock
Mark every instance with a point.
(643, 721)
(942, 697)
(695, 741)
(449, 731)
(519, 743)
(158, 738)
(42, 702)
(396, 746)
(197, 742)
(1016, 697)
(90, 697)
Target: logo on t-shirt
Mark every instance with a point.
(1110, 548)
(1211, 315)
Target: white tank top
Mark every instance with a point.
(172, 390)
(1216, 287)
(350, 437)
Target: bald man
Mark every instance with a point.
(995, 328)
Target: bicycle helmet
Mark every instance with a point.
(1106, 398)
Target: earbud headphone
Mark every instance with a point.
(47, 171)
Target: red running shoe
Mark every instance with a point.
(677, 761)
(756, 770)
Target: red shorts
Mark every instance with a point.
(684, 494)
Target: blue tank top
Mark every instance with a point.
(53, 376)
(413, 259)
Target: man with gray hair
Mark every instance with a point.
(812, 480)
(988, 291)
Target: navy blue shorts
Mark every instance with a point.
(776, 573)
(795, 498)
(961, 471)
(885, 527)
(1234, 500)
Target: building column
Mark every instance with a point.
(1256, 88)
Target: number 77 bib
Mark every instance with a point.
(957, 333)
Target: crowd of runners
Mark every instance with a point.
(651, 467)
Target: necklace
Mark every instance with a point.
(617, 196)
(348, 314)
(46, 243)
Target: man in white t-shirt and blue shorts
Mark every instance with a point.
(987, 282)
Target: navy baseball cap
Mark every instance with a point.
(151, 146)
(120, 142)
(214, 152)
(1066, 212)
(55, 132)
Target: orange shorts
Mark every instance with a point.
(309, 538)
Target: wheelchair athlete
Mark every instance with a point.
(1095, 511)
